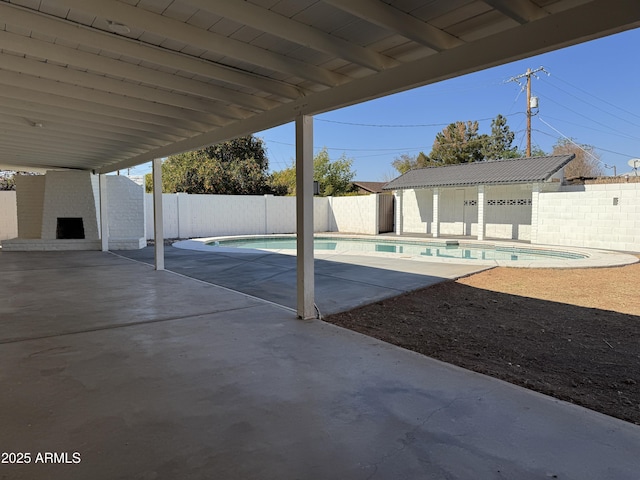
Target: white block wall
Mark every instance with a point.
(126, 213)
(587, 216)
(192, 216)
(417, 211)
(8, 215)
(322, 214)
(508, 212)
(355, 214)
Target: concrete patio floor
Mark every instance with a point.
(342, 282)
(151, 375)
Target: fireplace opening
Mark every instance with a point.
(70, 227)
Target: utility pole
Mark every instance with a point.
(517, 79)
(528, 74)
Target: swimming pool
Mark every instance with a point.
(450, 249)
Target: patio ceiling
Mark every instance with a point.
(106, 84)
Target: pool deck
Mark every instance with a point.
(592, 258)
(152, 374)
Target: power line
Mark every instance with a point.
(583, 116)
(580, 146)
(621, 135)
(594, 106)
(397, 125)
(398, 149)
(598, 98)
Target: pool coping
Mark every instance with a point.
(594, 258)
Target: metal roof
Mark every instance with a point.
(108, 84)
(519, 170)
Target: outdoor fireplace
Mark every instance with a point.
(70, 227)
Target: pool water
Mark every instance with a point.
(413, 248)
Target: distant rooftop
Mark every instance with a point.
(372, 187)
(516, 170)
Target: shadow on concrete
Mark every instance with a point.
(341, 284)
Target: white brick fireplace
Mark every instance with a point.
(61, 211)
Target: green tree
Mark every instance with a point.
(7, 181)
(333, 177)
(8, 178)
(406, 162)
(459, 142)
(587, 162)
(536, 151)
(498, 144)
(235, 167)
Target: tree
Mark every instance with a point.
(587, 162)
(406, 162)
(498, 144)
(536, 151)
(235, 167)
(7, 181)
(333, 177)
(459, 142)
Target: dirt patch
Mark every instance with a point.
(571, 334)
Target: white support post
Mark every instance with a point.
(104, 213)
(435, 231)
(481, 204)
(536, 188)
(304, 216)
(158, 234)
(399, 195)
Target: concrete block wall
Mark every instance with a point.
(322, 214)
(30, 205)
(226, 214)
(355, 214)
(596, 216)
(280, 215)
(126, 213)
(508, 212)
(417, 211)
(192, 216)
(8, 215)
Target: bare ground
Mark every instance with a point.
(573, 333)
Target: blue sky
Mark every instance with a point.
(592, 95)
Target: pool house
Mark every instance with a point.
(495, 199)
